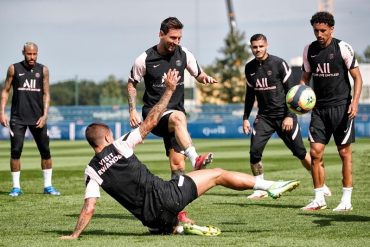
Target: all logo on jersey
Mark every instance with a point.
(262, 84)
(323, 70)
(29, 85)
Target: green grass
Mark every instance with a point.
(34, 219)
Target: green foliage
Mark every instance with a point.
(229, 71)
(34, 219)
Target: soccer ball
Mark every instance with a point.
(300, 99)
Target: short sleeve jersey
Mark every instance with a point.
(153, 67)
(329, 67)
(27, 101)
(268, 81)
(119, 172)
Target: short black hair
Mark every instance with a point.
(323, 17)
(170, 23)
(258, 36)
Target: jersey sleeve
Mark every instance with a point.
(138, 70)
(92, 189)
(126, 143)
(306, 65)
(348, 55)
(249, 100)
(191, 63)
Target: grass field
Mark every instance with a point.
(34, 219)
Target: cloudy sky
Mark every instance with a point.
(91, 39)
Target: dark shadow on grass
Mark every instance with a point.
(267, 205)
(326, 220)
(107, 216)
(100, 233)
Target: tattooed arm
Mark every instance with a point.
(87, 212)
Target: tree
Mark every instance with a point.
(111, 91)
(229, 71)
(367, 54)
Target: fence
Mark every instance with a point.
(206, 121)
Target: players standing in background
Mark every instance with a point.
(30, 106)
(269, 79)
(328, 61)
(152, 65)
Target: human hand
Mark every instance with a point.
(135, 119)
(171, 79)
(246, 127)
(287, 124)
(4, 120)
(41, 122)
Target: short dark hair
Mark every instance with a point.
(170, 23)
(323, 17)
(258, 36)
(95, 133)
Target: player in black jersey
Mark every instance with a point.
(152, 200)
(30, 106)
(328, 61)
(152, 66)
(268, 79)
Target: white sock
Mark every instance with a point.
(47, 177)
(191, 154)
(319, 194)
(262, 184)
(16, 179)
(347, 194)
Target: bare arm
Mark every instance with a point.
(86, 214)
(306, 77)
(156, 112)
(206, 79)
(5, 95)
(46, 99)
(357, 82)
(135, 119)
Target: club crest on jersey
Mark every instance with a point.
(178, 63)
(37, 75)
(269, 72)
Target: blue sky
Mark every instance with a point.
(91, 39)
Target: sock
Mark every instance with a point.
(16, 179)
(262, 184)
(47, 177)
(319, 194)
(191, 154)
(347, 194)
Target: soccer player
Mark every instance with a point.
(152, 65)
(269, 79)
(30, 106)
(328, 61)
(153, 201)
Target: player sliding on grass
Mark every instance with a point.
(153, 201)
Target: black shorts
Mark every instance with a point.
(17, 136)
(264, 128)
(169, 198)
(331, 121)
(169, 139)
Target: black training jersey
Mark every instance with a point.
(329, 67)
(119, 172)
(268, 81)
(153, 67)
(27, 102)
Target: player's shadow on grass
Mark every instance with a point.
(267, 204)
(326, 220)
(100, 233)
(107, 216)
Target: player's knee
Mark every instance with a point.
(16, 154)
(45, 155)
(178, 117)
